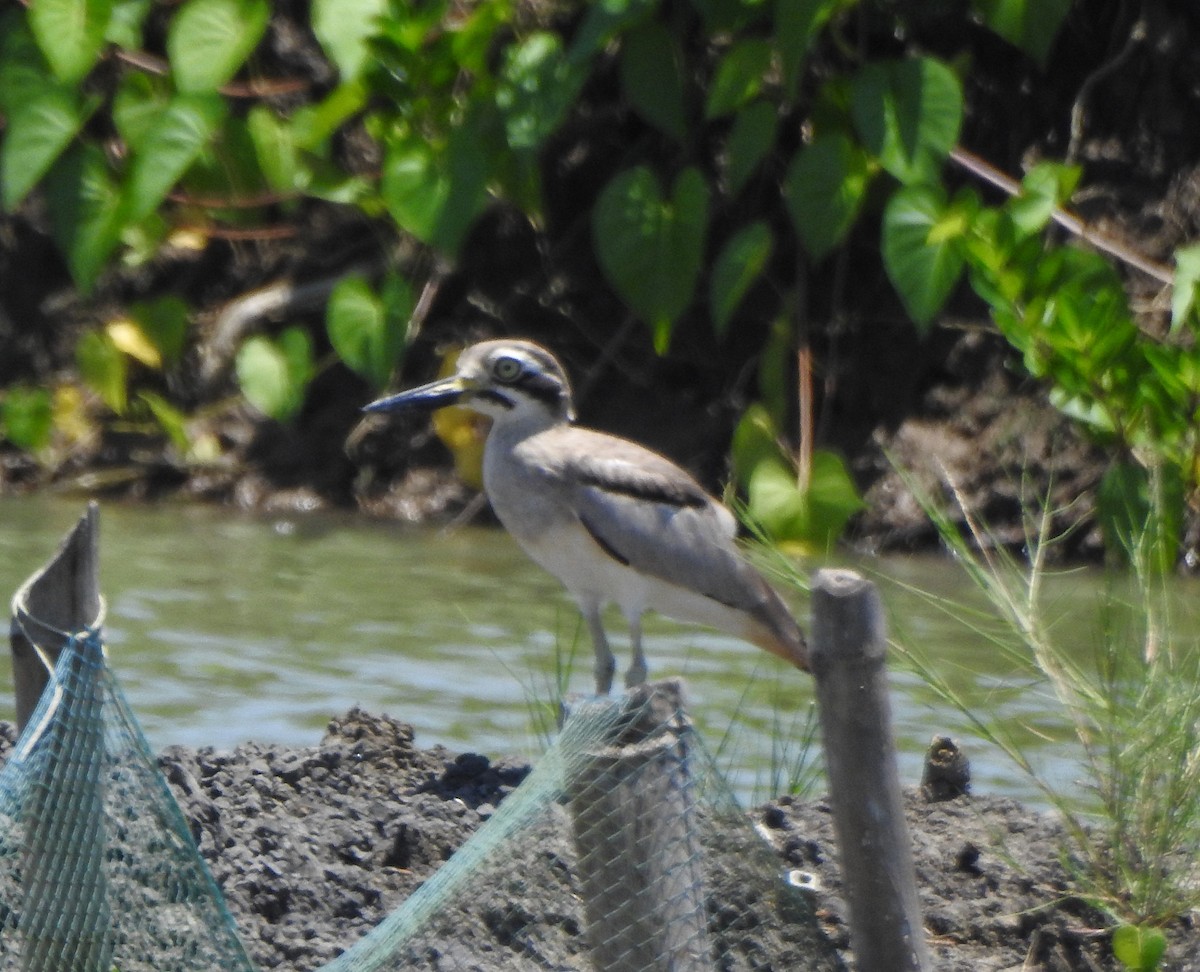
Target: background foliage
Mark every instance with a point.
(714, 160)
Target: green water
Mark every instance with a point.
(223, 627)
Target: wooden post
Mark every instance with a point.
(639, 858)
(64, 922)
(847, 656)
(62, 596)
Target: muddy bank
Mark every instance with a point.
(314, 846)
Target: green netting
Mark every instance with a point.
(624, 833)
(97, 867)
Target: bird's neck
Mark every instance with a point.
(515, 426)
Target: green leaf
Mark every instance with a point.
(415, 188)
(652, 248)
(274, 375)
(750, 139)
(1187, 276)
(27, 417)
(740, 263)
(538, 85)
(436, 195)
(38, 132)
(812, 517)
(313, 125)
(728, 16)
(754, 441)
(604, 21)
(125, 24)
(24, 73)
(908, 114)
(1141, 515)
(343, 27)
(923, 260)
(70, 34)
(164, 322)
(1029, 24)
(209, 40)
(797, 23)
(368, 334)
(85, 211)
(172, 421)
(275, 150)
(1045, 186)
(169, 149)
(824, 191)
(652, 77)
(739, 77)
(104, 368)
(139, 104)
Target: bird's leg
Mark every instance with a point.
(606, 664)
(636, 674)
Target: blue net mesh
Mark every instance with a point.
(97, 867)
(640, 858)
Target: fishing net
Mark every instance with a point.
(638, 855)
(97, 867)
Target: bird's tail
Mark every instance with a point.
(776, 631)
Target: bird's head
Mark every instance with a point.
(507, 380)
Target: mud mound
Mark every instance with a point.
(314, 846)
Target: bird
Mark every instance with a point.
(614, 521)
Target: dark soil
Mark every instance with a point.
(315, 846)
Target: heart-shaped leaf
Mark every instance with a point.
(24, 72)
(797, 22)
(739, 77)
(343, 27)
(651, 77)
(1029, 24)
(104, 368)
(806, 520)
(85, 210)
(741, 261)
(27, 417)
(750, 139)
(209, 40)
(806, 516)
(537, 86)
(908, 114)
(367, 334)
(168, 150)
(38, 132)
(274, 375)
(920, 250)
(436, 195)
(652, 248)
(825, 187)
(1139, 949)
(70, 34)
(139, 104)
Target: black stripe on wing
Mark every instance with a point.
(604, 545)
(624, 561)
(650, 489)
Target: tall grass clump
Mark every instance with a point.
(1133, 703)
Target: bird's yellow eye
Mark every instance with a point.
(506, 369)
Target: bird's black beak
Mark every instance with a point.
(437, 394)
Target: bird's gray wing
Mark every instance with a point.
(649, 514)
